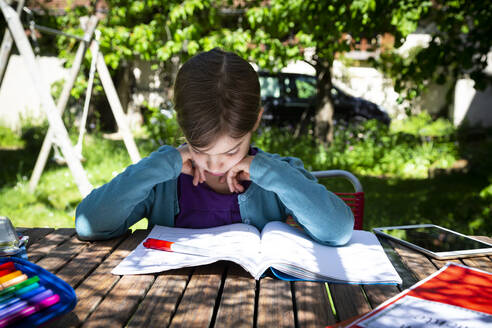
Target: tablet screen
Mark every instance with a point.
(435, 239)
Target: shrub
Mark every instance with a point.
(162, 127)
(370, 149)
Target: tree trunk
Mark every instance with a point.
(324, 108)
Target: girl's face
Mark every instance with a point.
(222, 155)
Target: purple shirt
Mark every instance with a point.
(202, 207)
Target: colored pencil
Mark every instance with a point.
(29, 310)
(7, 291)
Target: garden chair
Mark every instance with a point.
(355, 200)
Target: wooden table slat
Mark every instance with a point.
(196, 308)
(34, 234)
(377, 294)
(95, 287)
(275, 307)
(313, 304)
(160, 303)
(482, 262)
(418, 263)
(237, 304)
(120, 302)
(407, 276)
(349, 300)
(62, 254)
(44, 246)
(86, 261)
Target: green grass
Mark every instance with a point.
(451, 200)
(54, 201)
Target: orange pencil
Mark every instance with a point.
(14, 281)
(9, 276)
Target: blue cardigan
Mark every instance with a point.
(280, 187)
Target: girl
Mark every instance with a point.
(216, 178)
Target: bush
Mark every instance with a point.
(370, 149)
(9, 139)
(162, 127)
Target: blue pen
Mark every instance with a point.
(17, 293)
(20, 305)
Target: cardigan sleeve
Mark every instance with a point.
(322, 214)
(111, 209)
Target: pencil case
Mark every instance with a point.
(67, 297)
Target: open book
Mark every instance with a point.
(286, 249)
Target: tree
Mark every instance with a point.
(461, 38)
(286, 27)
(268, 32)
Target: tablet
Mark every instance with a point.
(435, 241)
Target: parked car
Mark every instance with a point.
(288, 98)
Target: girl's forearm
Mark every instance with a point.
(110, 209)
(321, 213)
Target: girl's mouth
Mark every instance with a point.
(215, 174)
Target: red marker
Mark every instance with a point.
(170, 246)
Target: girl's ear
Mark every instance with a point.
(258, 120)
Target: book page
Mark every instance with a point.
(361, 260)
(236, 242)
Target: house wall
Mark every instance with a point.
(18, 97)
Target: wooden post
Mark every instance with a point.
(62, 103)
(7, 45)
(115, 104)
(47, 102)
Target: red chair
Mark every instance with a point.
(353, 199)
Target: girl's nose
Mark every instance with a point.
(214, 164)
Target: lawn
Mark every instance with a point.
(450, 199)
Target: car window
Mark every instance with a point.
(270, 87)
(290, 89)
(306, 87)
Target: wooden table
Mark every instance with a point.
(218, 295)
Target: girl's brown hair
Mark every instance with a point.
(216, 93)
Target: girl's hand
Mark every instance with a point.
(189, 167)
(239, 172)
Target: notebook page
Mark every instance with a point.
(236, 242)
(361, 260)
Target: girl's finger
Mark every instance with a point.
(200, 175)
(239, 188)
(196, 176)
(230, 177)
